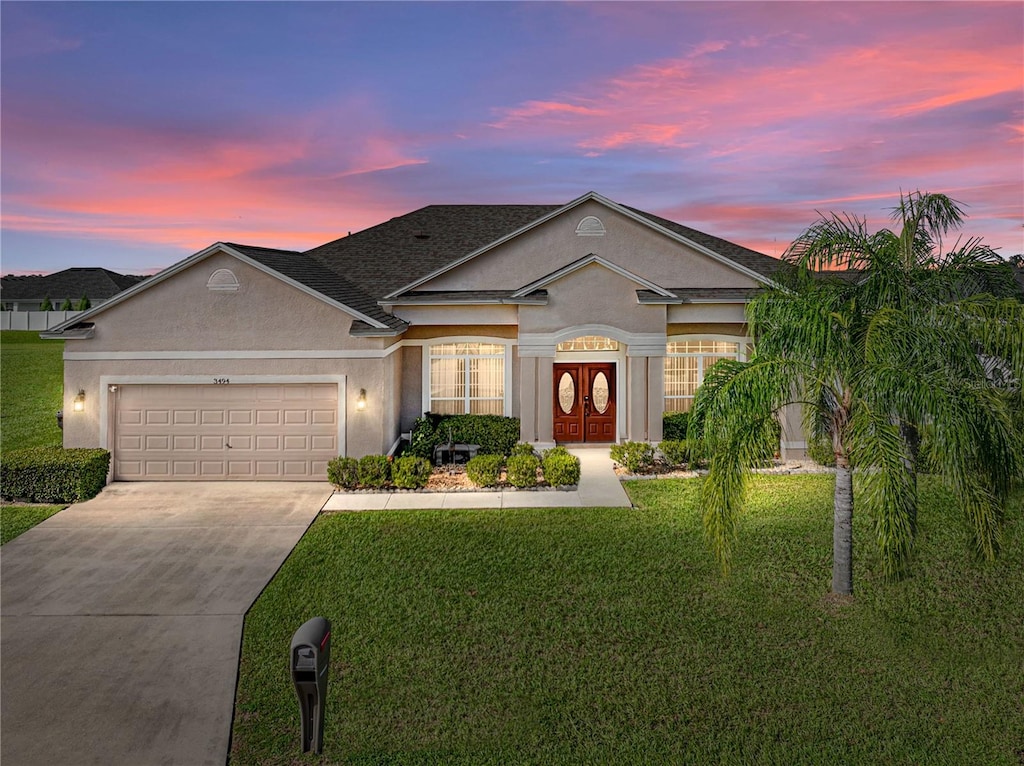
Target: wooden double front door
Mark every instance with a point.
(584, 402)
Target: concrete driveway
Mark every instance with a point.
(122, 619)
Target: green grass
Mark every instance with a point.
(592, 636)
(31, 388)
(16, 519)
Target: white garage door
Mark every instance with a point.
(220, 432)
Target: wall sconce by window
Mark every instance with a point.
(79, 403)
(361, 400)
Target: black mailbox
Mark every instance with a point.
(310, 658)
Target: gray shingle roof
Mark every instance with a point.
(97, 284)
(396, 253)
(313, 274)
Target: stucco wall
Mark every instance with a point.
(592, 295)
(179, 329)
(627, 243)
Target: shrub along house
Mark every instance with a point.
(587, 321)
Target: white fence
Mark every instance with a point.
(33, 320)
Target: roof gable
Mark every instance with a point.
(587, 261)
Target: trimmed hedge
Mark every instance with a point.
(411, 472)
(495, 434)
(674, 426)
(522, 448)
(633, 456)
(484, 470)
(374, 471)
(521, 471)
(343, 472)
(676, 452)
(53, 474)
(560, 468)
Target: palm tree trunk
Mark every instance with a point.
(842, 529)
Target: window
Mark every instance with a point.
(685, 364)
(467, 378)
(589, 343)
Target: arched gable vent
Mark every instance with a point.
(590, 226)
(223, 280)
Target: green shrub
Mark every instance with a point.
(66, 305)
(484, 470)
(521, 470)
(421, 443)
(46, 305)
(374, 471)
(84, 305)
(495, 434)
(635, 457)
(819, 449)
(560, 468)
(676, 452)
(522, 448)
(674, 425)
(53, 474)
(410, 472)
(343, 472)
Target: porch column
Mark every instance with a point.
(794, 441)
(545, 399)
(636, 412)
(655, 397)
(528, 399)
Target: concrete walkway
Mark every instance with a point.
(122, 619)
(598, 487)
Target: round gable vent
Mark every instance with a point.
(590, 226)
(222, 280)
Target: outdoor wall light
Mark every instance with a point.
(79, 404)
(361, 400)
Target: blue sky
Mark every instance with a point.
(134, 134)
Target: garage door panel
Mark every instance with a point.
(229, 431)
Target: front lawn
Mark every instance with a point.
(607, 636)
(31, 388)
(16, 519)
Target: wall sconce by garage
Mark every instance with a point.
(361, 400)
(79, 402)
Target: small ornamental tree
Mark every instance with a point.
(46, 305)
(66, 305)
(84, 304)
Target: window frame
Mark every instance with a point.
(505, 355)
(742, 343)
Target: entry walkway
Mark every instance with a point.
(599, 487)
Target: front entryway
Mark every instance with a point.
(584, 402)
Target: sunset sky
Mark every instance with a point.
(136, 133)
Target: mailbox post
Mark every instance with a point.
(310, 657)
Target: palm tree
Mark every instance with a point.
(877, 336)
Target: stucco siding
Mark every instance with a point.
(592, 295)
(182, 313)
(554, 244)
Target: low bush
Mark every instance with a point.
(53, 474)
(410, 472)
(674, 425)
(484, 470)
(819, 449)
(560, 468)
(374, 471)
(675, 452)
(343, 472)
(521, 471)
(635, 457)
(495, 434)
(522, 448)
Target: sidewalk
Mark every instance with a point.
(599, 487)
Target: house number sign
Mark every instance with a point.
(221, 381)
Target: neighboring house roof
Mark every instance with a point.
(95, 283)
